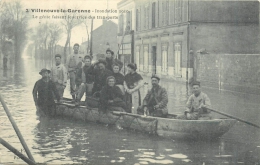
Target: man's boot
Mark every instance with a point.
(73, 98)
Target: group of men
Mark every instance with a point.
(88, 78)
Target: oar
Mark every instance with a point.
(16, 129)
(16, 152)
(233, 117)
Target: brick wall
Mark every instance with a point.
(235, 72)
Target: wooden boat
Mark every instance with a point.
(165, 127)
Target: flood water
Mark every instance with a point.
(59, 141)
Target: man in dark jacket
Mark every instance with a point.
(156, 100)
(100, 76)
(43, 94)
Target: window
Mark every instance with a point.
(146, 58)
(137, 58)
(129, 20)
(146, 17)
(177, 54)
(165, 13)
(137, 19)
(164, 58)
(178, 11)
(121, 24)
(153, 14)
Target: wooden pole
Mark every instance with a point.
(91, 39)
(16, 129)
(16, 152)
(233, 117)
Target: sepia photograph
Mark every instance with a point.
(131, 82)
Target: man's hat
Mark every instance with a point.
(109, 50)
(88, 57)
(196, 83)
(76, 44)
(132, 66)
(57, 55)
(102, 61)
(44, 70)
(155, 76)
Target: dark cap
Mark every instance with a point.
(57, 55)
(88, 57)
(155, 76)
(196, 83)
(102, 61)
(76, 44)
(44, 70)
(132, 66)
(108, 50)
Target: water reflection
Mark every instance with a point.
(58, 141)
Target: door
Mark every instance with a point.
(154, 59)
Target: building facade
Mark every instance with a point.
(165, 34)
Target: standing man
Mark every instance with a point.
(109, 59)
(43, 94)
(59, 75)
(197, 104)
(87, 76)
(72, 63)
(156, 100)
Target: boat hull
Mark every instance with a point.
(165, 127)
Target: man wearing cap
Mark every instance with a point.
(156, 100)
(100, 76)
(43, 94)
(72, 65)
(87, 76)
(59, 75)
(197, 104)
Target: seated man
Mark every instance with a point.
(111, 97)
(197, 105)
(155, 102)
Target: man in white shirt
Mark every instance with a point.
(59, 75)
(72, 63)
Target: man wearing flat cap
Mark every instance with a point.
(156, 100)
(197, 104)
(59, 75)
(100, 76)
(43, 94)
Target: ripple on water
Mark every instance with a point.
(178, 156)
(149, 160)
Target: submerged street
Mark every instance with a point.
(60, 141)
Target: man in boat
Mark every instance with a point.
(156, 100)
(197, 104)
(87, 75)
(43, 94)
(72, 65)
(100, 76)
(59, 75)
